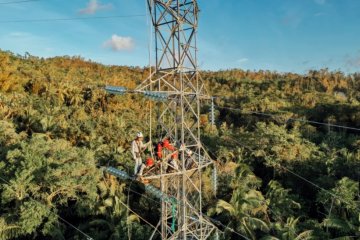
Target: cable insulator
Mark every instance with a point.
(115, 90)
(212, 112)
(214, 179)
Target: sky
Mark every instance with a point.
(278, 35)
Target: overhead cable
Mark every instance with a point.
(17, 2)
(230, 229)
(291, 119)
(341, 199)
(69, 19)
(147, 222)
(305, 179)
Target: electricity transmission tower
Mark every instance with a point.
(176, 82)
(176, 79)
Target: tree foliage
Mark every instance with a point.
(57, 127)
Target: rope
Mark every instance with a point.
(128, 203)
(292, 119)
(150, 73)
(65, 221)
(149, 37)
(149, 55)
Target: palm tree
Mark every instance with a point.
(9, 231)
(246, 209)
(289, 231)
(343, 211)
(112, 220)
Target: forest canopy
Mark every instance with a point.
(278, 177)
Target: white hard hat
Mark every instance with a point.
(189, 152)
(139, 135)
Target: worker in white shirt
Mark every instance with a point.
(137, 147)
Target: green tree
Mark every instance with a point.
(343, 209)
(247, 209)
(45, 175)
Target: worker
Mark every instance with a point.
(137, 147)
(189, 161)
(158, 150)
(174, 154)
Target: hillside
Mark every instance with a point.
(279, 178)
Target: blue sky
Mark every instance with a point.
(281, 35)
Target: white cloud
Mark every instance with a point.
(94, 6)
(320, 2)
(118, 43)
(242, 60)
(19, 34)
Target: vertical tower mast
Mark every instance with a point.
(176, 75)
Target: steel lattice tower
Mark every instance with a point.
(177, 77)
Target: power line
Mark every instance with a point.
(4, 180)
(127, 214)
(70, 19)
(271, 210)
(129, 209)
(16, 2)
(233, 231)
(299, 176)
(142, 195)
(218, 222)
(71, 225)
(292, 119)
(315, 185)
(230, 229)
(147, 222)
(300, 120)
(65, 221)
(304, 179)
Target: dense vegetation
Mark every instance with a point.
(278, 178)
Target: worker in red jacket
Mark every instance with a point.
(172, 155)
(158, 151)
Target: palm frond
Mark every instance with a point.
(222, 206)
(132, 218)
(305, 235)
